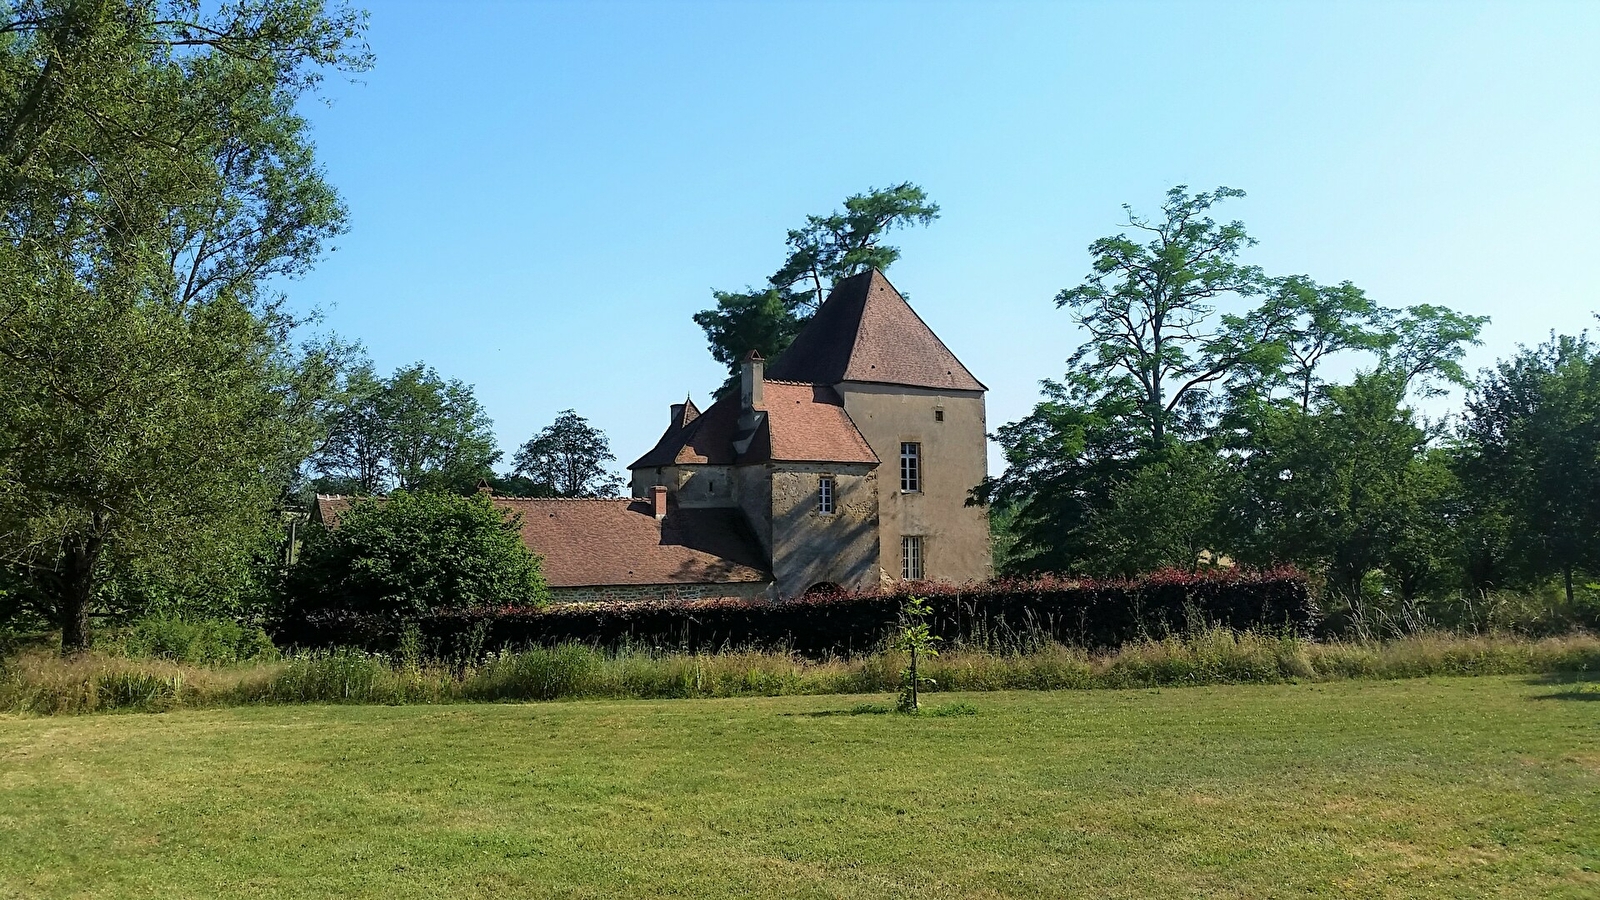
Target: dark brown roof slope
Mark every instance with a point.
(865, 331)
(611, 542)
(804, 423)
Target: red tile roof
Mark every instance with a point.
(803, 423)
(865, 331)
(621, 542)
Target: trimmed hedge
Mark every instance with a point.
(999, 615)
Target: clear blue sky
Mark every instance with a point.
(542, 194)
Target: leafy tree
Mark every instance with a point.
(442, 438)
(568, 458)
(354, 456)
(155, 178)
(1158, 343)
(1062, 463)
(1166, 513)
(413, 430)
(1332, 319)
(409, 554)
(1532, 457)
(915, 638)
(821, 252)
(1349, 490)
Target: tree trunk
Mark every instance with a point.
(1567, 576)
(77, 589)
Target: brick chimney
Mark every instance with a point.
(658, 499)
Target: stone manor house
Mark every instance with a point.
(845, 463)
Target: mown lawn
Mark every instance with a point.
(1443, 787)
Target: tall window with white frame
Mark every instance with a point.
(910, 467)
(825, 492)
(911, 557)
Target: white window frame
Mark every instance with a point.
(913, 557)
(827, 488)
(910, 467)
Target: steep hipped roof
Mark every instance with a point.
(803, 423)
(865, 331)
(620, 542)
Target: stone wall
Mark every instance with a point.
(810, 547)
(627, 592)
(950, 427)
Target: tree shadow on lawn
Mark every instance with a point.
(1576, 686)
(943, 710)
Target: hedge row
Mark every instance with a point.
(997, 614)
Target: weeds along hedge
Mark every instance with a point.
(1010, 615)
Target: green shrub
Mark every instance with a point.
(198, 641)
(410, 554)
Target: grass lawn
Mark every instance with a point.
(1442, 787)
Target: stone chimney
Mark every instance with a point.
(658, 499)
(752, 375)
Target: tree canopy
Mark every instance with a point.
(822, 251)
(568, 458)
(1197, 422)
(156, 176)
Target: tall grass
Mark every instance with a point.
(39, 682)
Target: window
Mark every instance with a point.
(911, 558)
(938, 415)
(825, 495)
(910, 467)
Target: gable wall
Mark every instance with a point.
(809, 547)
(954, 460)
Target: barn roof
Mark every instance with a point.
(590, 542)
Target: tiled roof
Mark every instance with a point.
(807, 423)
(620, 542)
(865, 331)
(607, 542)
(803, 423)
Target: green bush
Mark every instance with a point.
(410, 554)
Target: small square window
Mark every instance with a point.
(911, 558)
(825, 491)
(910, 468)
(938, 415)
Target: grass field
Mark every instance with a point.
(1431, 787)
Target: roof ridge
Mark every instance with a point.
(571, 499)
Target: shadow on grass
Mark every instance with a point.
(1578, 686)
(943, 710)
(860, 709)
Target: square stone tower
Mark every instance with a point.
(851, 458)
